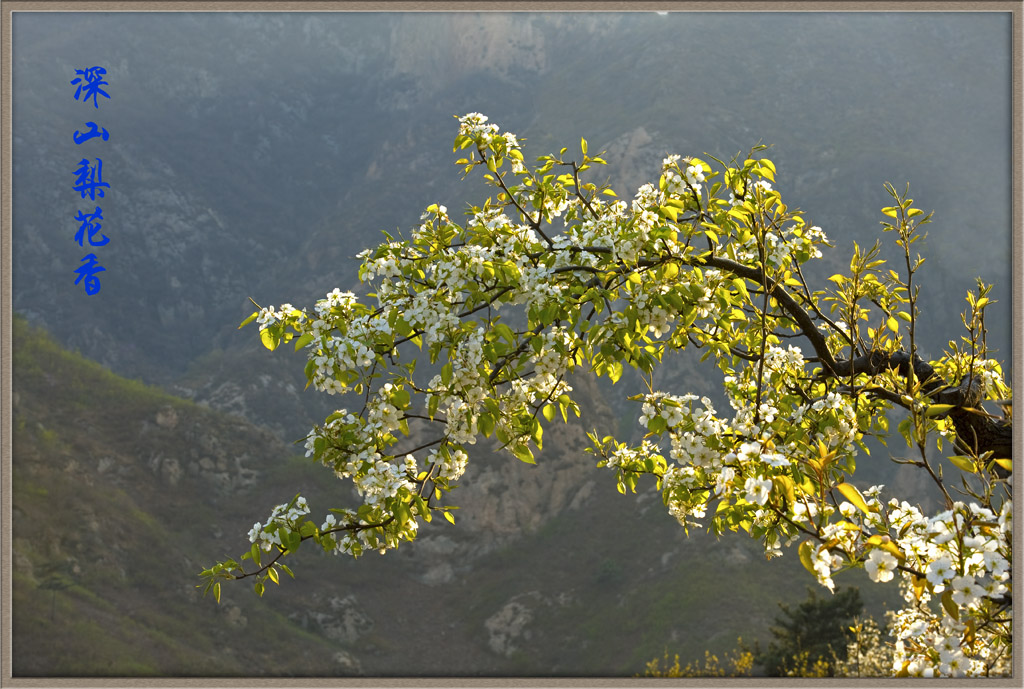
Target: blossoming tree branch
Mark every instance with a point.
(556, 275)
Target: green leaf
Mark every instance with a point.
(548, 412)
(216, 592)
(402, 513)
(303, 340)
(249, 320)
(485, 424)
(449, 517)
(805, 556)
(563, 404)
(400, 398)
(583, 146)
(615, 371)
(523, 454)
(270, 339)
(272, 574)
(937, 409)
(504, 332)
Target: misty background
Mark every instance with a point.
(254, 154)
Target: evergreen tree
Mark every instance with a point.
(815, 633)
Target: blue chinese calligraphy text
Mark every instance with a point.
(93, 132)
(90, 179)
(90, 227)
(89, 84)
(88, 273)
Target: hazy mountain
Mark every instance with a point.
(253, 154)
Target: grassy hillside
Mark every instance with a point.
(121, 493)
(109, 521)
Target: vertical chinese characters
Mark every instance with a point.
(89, 179)
(89, 82)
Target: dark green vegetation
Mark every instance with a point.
(816, 630)
(253, 156)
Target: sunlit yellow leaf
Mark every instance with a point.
(963, 463)
(851, 493)
(936, 409)
(919, 584)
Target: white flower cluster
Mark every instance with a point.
(354, 540)
(451, 468)
(387, 266)
(838, 425)
(462, 397)
(381, 481)
(333, 354)
(269, 316)
(282, 518)
(824, 564)
(963, 553)
(552, 360)
(786, 361)
(536, 287)
(630, 458)
(991, 374)
(702, 291)
(780, 248)
(475, 125)
(762, 451)
(674, 185)
(354, 449)
(683, 486)
(432, 314)
(930, 644)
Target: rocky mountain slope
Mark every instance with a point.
(252, 155)
(122, 493)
